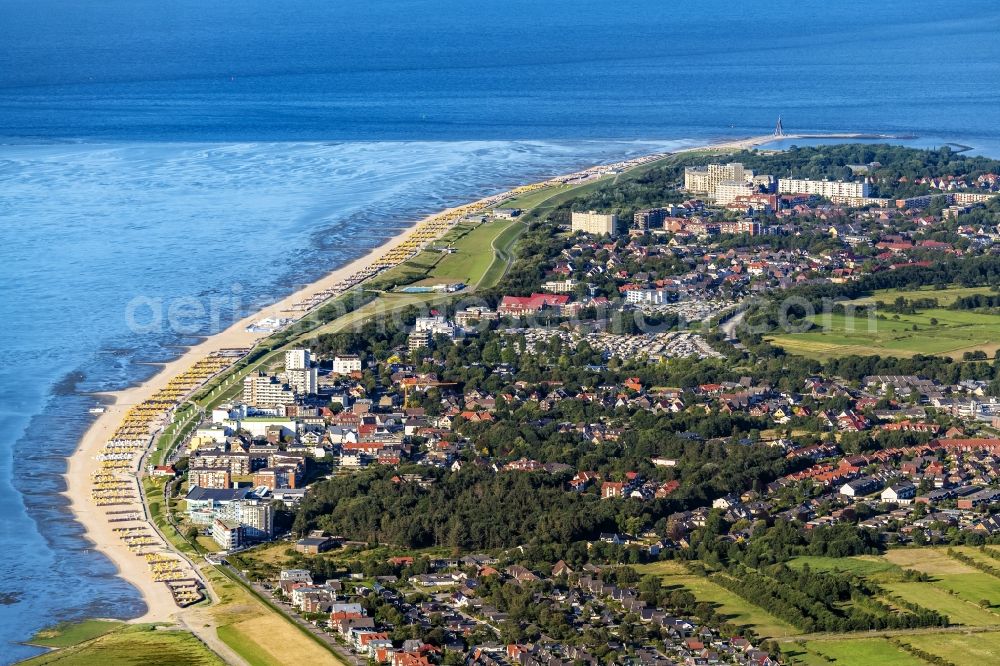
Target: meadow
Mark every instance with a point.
(145, 644)
(932, 331)
(736, 610)
(952, 587)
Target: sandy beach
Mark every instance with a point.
(160, 605)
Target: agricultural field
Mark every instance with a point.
(944, 297)
(736, 610)
(936, 331)
(131, 644)
(962, 649)
(954, 588)
(852, 651)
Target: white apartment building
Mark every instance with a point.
(592, 222)
(255, 516)
(346, 364)
(297, 359)
(727, 191)
(560, 286)
(304, 381)
(300, 374)
(704, 179)
(646, 296)
(436, 325)
(264, 390)
(823, 188)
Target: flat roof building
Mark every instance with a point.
(592, 222)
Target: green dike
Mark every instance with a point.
(129, 644)
(234, 639)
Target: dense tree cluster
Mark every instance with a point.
(819, 601)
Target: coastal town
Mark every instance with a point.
(600, 377)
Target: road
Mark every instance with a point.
(728, 327)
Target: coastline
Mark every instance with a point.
(160, 605)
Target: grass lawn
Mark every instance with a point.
(958, 609)
(857, 651)
(933, 561)
(73, 633)
(473, 254)
(736, 610)
(141, 645)
(956, 332)
(975, 649)
(863, 565)
(533, 199)
(257, 632)
(945, 296)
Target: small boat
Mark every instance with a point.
(97, 410)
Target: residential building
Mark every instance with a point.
(560, 286)
(297, 359)
(419, 340)
(727, 191)
(203, 504)
(592, 222)
(646, 296)
(260, 389)
(435, 325)
(227, 533)
(468, 316)
(345, 364)
(649, 218)
(210, 477)
(705, 179)
(823, 188)
(900, 493)
(255, 516)
(523, 305)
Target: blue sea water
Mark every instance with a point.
(190, 149)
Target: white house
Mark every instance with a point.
(900, 493)
(346, 364)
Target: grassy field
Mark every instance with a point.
(534, 199)
(863, 565)
(133, 644)
(944, 297)
(954, 589)
(854, 651)
(736, 610)
(257, 632)
(952, 333)
(74, 633)
(976, 649)
(473, 254)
